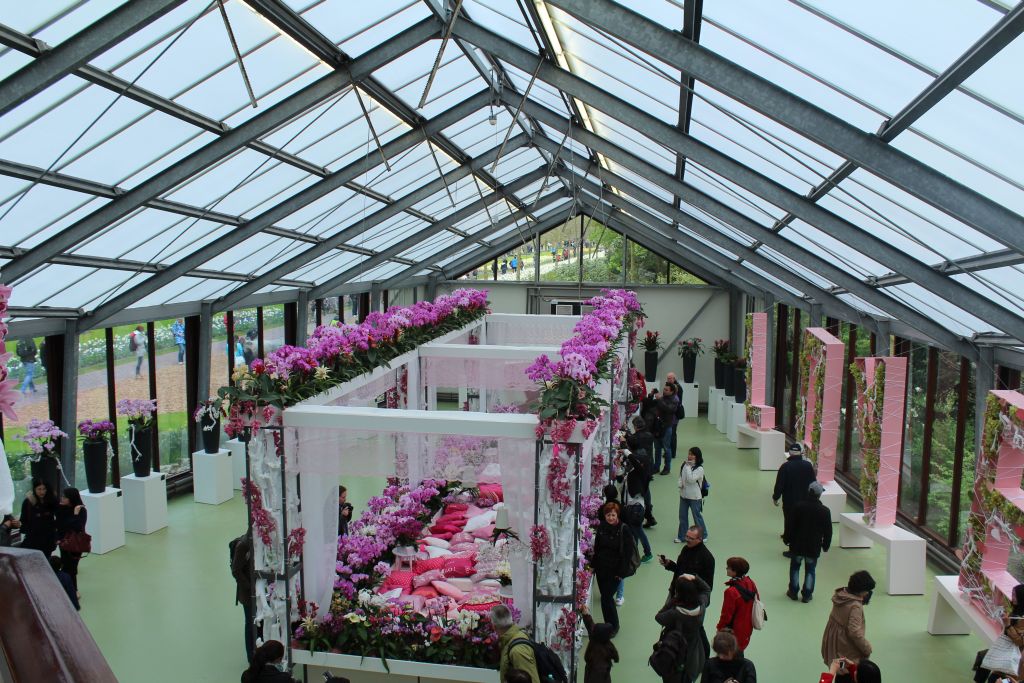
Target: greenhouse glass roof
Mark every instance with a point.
(864, 157)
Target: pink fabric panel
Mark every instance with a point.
(758, 357)
(894, 402)
(831, 399)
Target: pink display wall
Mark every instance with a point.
(882, 512)
(759, 415)
(821, 411)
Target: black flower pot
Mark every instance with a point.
(47, 470)
(94, 453)
(650, 366)
(729, 375)
(740, 381)
(689, 369)
(210, 429)
(140, 445)
(719, 374)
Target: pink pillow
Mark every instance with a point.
(480, 607)
(420, 566)
(398, 579)
(484, 532)
(444, 535)
(462, 537)
(455, 507)
(445, 588)
(436, 542)
(491, 491)
(453, 517)
(463, 547)
(482, 576)
(439, 529)
(426, 577)
(458, 566)
(427, 592)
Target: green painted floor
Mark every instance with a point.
(162, 607)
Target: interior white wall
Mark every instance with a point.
(668, 309)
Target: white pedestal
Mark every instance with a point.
(770, 445)
(237, 449)
(907, 552)
(211, 477)
(714, 400)
(722, 416)
(105, 522)
(145, 503)
(834, 498)
(737, 416)
(952, 614)
(691, 394)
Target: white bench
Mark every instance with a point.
(907, 551)
(771, 445)
(714, 400)
(952, 614)
(691, 394)
(834, 498)
(737, 416)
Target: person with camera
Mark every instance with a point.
(844, 634)
(641, 443)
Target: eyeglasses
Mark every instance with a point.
(692, 538)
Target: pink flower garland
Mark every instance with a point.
(558, 483)
(565, 630)
(540, 542)
(296, 541)
(262, 521)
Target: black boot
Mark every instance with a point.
(650, 522)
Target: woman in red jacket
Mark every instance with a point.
(737, 611)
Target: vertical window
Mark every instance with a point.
(911, 472)
(945, 408)
(27, 366)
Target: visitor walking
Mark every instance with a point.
(685, 612)
(677, 389)
(601, 653)
(513, 654)
(242, 572)
(844, 634)
(636, 491)
(38, 518)
(738, 606)
(729, 664)
(695, 558)
(71, 518)
(810, 534)
(137, 344)
(27, 354)
(263, 668)
(668, 409)
(178, 330)
(791, 482)
(641, 443)
(614, 546)
(691, 499)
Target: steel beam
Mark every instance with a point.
(95, 39)
(164, 181)
(693, 15)
(418, 195)
(814, 123)
(277, 212)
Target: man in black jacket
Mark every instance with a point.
(791, 483)
(641, 444)
(695, 559)
(810, 534)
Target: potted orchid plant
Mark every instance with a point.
(688, 350)
(96, 451)
(207, 416)
(721, 350)
(139, 412)
(41, 437)
(652, 344)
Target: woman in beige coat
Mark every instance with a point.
(844, 632)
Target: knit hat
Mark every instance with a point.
(796, 449)
(815, 489)
(860, 582)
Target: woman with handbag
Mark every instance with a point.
(71, 536)
(38, 523)
(1004, 656)
(737, 608)
(614, 546)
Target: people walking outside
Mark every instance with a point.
(518, 656)
(810, 534)
(668, 409)
(691, 499)
(38, 518)
(601, 653)
(728, 664)
(791, 482)
(71, 519)
(28, 354)
(178, 330)
(738, 605)
(137, 344)
(685, 612)
(695, 558)
(845, 632)
(614, 546)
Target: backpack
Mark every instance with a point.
(680, 410)
(758, 615)
(633, 514)
(705, 487)
(549, 666)
(668, 652)
(633, 563)
(133, 345)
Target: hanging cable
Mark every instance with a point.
(238, 53)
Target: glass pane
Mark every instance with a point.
(131, 381)
(940, 476)
(913, 435)
(219, 352)
(970, 456)
(273, 327)
(172, 412)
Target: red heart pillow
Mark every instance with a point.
(398, 579)
(458, 566)
(420, 566)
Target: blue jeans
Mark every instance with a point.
(810, 564)
(639, 534)
(685, 507)
(30, 373)
(663, 444)
(621, 592)
(181, 352)
(138, 365)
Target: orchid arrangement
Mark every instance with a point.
(652, 341)
(101, 430)
(335, 354)
(41, 436)
(139, 411)
(8, 386)
(211, 411)
(721, 348)
(692, 347)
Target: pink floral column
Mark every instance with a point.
(821, 387)
(881, 402)
(759, 415)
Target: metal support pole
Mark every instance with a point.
(205, 343)
(69, 405)
(301, 317)
(815, 316)
(884, 332)
(769, 382)
(984, 382)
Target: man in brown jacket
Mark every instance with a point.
(844, 632)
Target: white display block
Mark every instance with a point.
(714, 400)
(211, 477)
(105, 522)
(237, 449)
(372, 669)
(722, 416)
(907, 552)
(737, 416)
(145, 503)
(691, 394)
(952, 614)
(834, 498)
(770, 445)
